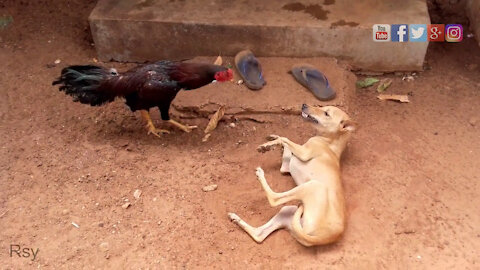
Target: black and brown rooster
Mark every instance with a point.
(143, 87)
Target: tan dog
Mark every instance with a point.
(315, 168)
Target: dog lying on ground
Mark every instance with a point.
(315, 168)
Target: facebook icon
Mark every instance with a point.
(399, 32)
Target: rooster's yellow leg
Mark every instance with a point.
(150, 127)
(183, 127)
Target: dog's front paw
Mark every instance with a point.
(234, 218)
(272, 137)
(264, 147)
(268, 146)
(260, 173)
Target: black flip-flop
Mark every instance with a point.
(314, 80)
(250, 70)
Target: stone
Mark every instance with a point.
(137, 194)
(125, 30)
(473, 121)
(104, 246)
(209, 188)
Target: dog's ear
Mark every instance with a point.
(348, 125)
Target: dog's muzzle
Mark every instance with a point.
(307, 115)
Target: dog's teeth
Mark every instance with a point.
(304, 115)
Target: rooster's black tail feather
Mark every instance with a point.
(84, 84)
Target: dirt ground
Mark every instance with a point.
(411, 172)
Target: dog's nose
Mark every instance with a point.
(304, 106)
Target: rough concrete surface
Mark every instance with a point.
(128, 30)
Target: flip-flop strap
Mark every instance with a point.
(250, 59)
(315, 73)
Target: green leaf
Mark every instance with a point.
(5, 21)
(367, 82)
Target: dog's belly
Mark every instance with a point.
(300, 171)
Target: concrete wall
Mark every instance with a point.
(124, 30)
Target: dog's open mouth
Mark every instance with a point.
(308, 117)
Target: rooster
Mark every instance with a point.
(143, 87)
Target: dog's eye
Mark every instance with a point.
(326, 114)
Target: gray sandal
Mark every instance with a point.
(250, 70)
(313, 80)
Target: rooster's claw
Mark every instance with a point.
(187, 128)
(157, 132)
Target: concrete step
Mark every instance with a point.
(140, 30)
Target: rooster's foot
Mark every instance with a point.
(155, 131)
(150, 127)
(183, 127)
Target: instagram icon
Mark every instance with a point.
(453, 33)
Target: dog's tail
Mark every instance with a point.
(327, 236)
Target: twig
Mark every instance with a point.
(253, 120)
(405, 232)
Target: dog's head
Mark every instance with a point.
(330, 121)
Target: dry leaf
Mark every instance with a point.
(207, 136)
(384, 84)
(218, 61)
(400, 98)
(216, 117)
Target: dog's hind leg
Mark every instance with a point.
(287, 155)
(281, 220)
(275, 198)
